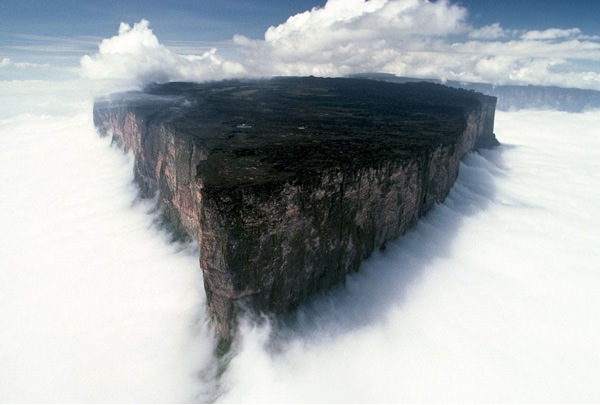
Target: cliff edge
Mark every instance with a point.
(289, 183)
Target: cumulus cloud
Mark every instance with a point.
(405, 37)
(136, 55)
(421, 39)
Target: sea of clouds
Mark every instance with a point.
(492, 297)
(95, 304)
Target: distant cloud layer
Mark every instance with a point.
(405, 37)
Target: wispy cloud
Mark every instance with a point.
(19, 70)
(551, 33)
(7, 62)
(49, 44)
(492, 31)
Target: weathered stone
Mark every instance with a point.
(289, 183)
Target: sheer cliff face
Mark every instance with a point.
(164, 164)
(276, 225)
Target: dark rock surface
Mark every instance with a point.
(289, 183)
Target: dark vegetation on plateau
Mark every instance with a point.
(289, 183)
(269, 131)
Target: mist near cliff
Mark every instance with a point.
(95, 304)
(491, 297)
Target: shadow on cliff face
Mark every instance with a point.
(385, 280)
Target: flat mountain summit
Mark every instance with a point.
(289, 183)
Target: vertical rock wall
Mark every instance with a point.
(268, 246)
(165, 165)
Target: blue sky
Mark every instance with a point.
(184, 20)
(536, 14)
(60, 32)
(218, 20)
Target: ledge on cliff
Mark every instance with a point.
(289, 183)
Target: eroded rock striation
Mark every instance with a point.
(289, 183)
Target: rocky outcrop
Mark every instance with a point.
(288, 184)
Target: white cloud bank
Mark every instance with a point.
(492, 297)
(405, 37)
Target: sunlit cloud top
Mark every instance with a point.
(414, 38)
(136, 54)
